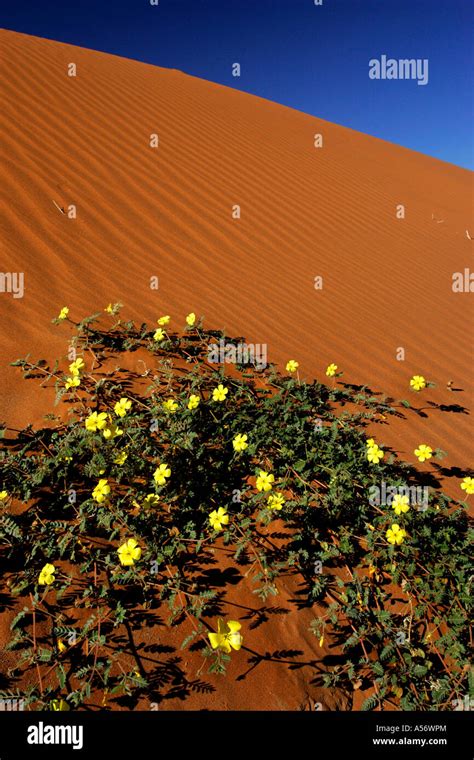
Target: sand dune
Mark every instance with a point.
(167, 212)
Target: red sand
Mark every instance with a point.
(167, 212)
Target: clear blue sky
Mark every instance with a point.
(311, 58)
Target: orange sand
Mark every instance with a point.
(167, 212)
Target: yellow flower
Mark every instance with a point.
(190, 319)
(227, 636)
(46, 576)
(331, 370)
(109, 309)
(61, 645)
(101, 491)
(63, 313)
(150, 500)
(170, 405)
(276, 501)
(466, 485)
(395, 535)
(59, 705)
(129, 552)
(218, 518)
(3, 495)
(375, 454)
(193, 402)
(418, 382)
(240, 442)
(161, 473)
(164, 320)
(72, 382)
(219, 393)
(122, 407)
(370, 443)
(423, 452)
(264, 481)
(292, 366)
(121, 458)
(159, 334)
(111, 431)
(96, 421)
(400, 504)
(76, 367)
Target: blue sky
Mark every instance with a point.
(313, 58)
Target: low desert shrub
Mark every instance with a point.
(138, 473)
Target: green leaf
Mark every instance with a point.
(369, 704)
